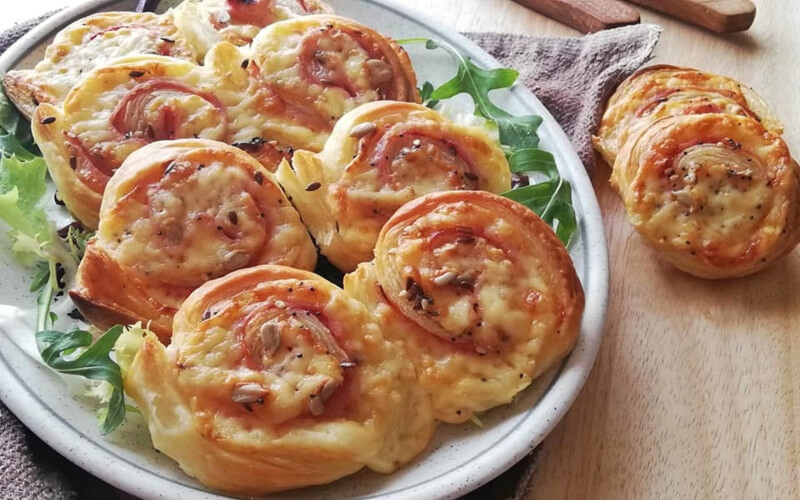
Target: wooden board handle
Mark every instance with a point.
(586, 16)
(721, 16)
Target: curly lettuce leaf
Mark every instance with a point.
(15, 137)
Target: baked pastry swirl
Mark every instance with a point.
(90, 43)
(309, 71)
(378, 157)
(276, 379)
(175, 215)
(658, 91)
(206, 22)
(265, 101)
(717, 194)
(480, 292)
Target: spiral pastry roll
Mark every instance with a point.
(380, 156)
(276, 379)
(660, 91)
(88, 44)
(479, 290)
(175, 215)
(715, 194)
(309, 71)
(238, 21)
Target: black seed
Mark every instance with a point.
(58, 200)
(313, 186)
(233, 217)
(73, 162)
(206, 314)
(76, 314)
(167, 40)
(259, 177)
(136, 74)
(48, 120)
(245, 63)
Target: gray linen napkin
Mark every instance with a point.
(572, 77)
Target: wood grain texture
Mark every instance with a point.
(586, 16)
(721, 16)
(696, 391)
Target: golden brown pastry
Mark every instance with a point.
(380, 156)
(716, 194)
(206, 22)
(276, 379)
(175, 215)
(309, 71)
(90, 43)
(266, 104)
(658, 91)
(480, 292)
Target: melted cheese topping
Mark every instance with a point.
(92, 43)
(661, 91)
(480, 292)
(178, 213)
(276, 379)
(716, 193)
(379, 157)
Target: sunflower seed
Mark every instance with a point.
(379, 71)
(445, 279)
(248, 393)
(315, 406)
(328, 390)
(363, 129)
(270, 338)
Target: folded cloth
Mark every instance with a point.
(571, 76)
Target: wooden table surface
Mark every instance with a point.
(696, 391)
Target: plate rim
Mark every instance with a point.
(543, 417)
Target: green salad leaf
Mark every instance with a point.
(58, 350)
(15, 137)
(550, 198)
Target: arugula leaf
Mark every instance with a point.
(551, 198)
(425, 94)
(93, 363)
(17, 129)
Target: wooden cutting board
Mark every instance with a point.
(721, 16)
(588, 16)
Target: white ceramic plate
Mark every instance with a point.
(460, 459)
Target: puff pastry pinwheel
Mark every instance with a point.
(662, 90)
(311, 70)
(175, 215)
(378, 157)
(717, 194)
(90, 43)
(206, 22)
(479, 291)
(276, 379)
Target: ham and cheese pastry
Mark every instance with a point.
(276, 379)
(659, 91)
(175, 215)
(479, 291)
(90, 43)
(206, 22)
(716, 194)
(311, 70)
(380, 156)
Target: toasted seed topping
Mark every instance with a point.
(315, 406)
(233, 217)
(363, 129)
(280, 304)
(379, 71)
(445, 279)
(245, 63)
(48, 120)
(136, 74)
(236, 260)
(270, 338)
(313, 186)
(328, 389)
(248, 393)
